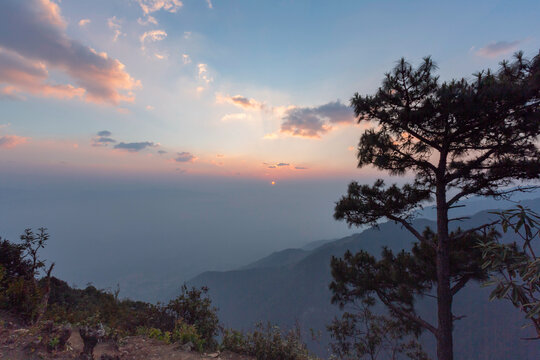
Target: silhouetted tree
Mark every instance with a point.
(459, 138)
(362, 334)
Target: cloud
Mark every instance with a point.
(134, 146)
(149, 20)
(241, 102)
(282, 164)
(34, 31)
(84, 22)
(187, 35)
(272, 167)
(103, 138)
(152, 36)
(185, 157)
(102, 141)
(203, 73)
(161, 152)
(186, 59)
(336, 113)
(104, 133)
(209, 3)
(10, 141)
(114, 24)
(300, 168)
(106, 140)
(312, 122)
(235, 117)
(270, 136)
(303, 123)
(150, 6)
(19, 74)
(495, 49)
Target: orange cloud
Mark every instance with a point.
(152, 36)
(10, 141)
(33, 33)
(235, 117)
(241, 102)
(21, 75)
(84, 22)
(203, 73)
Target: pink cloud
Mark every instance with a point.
(496, 49)
(241, 102)
(27, 76)
(10, 141)
(34, 31)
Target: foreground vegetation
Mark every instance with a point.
(190, 319)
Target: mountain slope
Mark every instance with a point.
(285, 292)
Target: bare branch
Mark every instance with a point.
(409, 315)
(408, 226)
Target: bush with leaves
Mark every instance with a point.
(194, 307)
(71, 305)
(20, 291)
(516, 267)
(267, 342)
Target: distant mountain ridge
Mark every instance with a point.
(292, 285)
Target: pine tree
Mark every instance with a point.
(459, 138)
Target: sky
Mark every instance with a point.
(209, 119)
(247, 89)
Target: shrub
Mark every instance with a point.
(235, 341)
(184, 333)
(22, 297)
(20, 291)
(194, 307)
(267, 342)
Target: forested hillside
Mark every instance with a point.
(284, 291)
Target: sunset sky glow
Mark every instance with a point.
(221, 88)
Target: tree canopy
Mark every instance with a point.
(459, 138)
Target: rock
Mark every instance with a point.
(213, 355)
(187, 346)
(90, 336)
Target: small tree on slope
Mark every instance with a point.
(460, 138)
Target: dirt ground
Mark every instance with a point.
(18, 342)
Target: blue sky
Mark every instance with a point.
(218, 80)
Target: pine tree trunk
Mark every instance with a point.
(444, 294)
